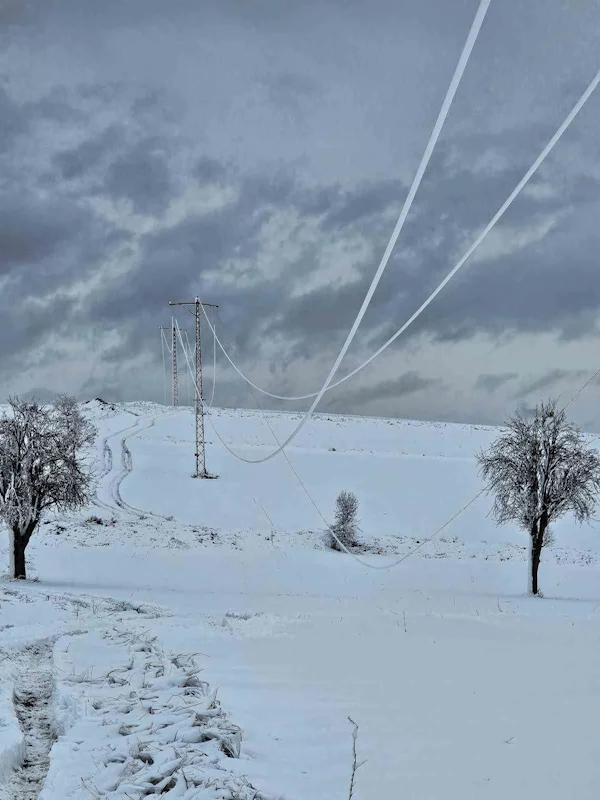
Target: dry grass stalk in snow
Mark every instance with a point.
(355, 763)
(149, 727)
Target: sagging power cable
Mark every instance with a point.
(435, 134)
(480, 238)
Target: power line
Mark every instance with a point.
(585, 385)
(435, 134)
(214, 374)
(304, 488)
(190, 388)
(410, 198)
(495, 219)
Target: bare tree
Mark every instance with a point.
(540, 469)
(42, 467)
(345, 527)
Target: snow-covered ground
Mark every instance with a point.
(460, 684)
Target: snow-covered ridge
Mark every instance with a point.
(431, 659)
(410, 477)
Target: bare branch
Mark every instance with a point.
(42, 462)
(540, 469)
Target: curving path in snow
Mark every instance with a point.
(108, 494)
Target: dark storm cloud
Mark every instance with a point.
(50, 240)
(55, 107)
(362, 204)
(46, 259)
(292, 94)
(14, 121)
(298, 125)
(14, 12)
(548, 381)
(490, 383)
(407, 384)
(548, 285)
(37, 233)
(142, 176)
(525, 290)
(545, 284)
(80, 160)
(183, 255)
(209, 170)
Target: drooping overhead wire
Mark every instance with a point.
(192, 349)
(328, 384)
(312, 501)
(190, 388)
(422, 542)
(166, 343)
(585, 385)
(214, 374)
(435, 134)
(480, 238)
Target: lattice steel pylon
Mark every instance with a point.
(174, 361)
(200, 454)
(174, 367)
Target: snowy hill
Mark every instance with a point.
(434, 659)
(410, 478)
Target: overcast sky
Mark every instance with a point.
(257, 152)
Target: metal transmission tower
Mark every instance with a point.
(174, 355)
(200, 454)
(174, 369)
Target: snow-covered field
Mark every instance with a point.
(462, 687)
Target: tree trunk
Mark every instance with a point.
(537, 542)
(18, 560)
(20, 540)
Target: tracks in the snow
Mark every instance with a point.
(32, 702)
(116, 478)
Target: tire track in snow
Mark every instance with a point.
(127, 469)
(108, 466)
(32, 697)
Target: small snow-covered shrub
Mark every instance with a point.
(345, 527)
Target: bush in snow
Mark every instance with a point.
(345, 527)
(42, 467)
(539, 470)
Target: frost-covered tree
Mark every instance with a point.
(345, 526)
(540, 469)
(42, 467)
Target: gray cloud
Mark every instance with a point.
(265, 152)
(76, 162)
(290, 89)
(142, 176)
(548, 381)
(13, 120)
(209, 170)
(490, 383)
(395, 389)
(31, 230)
